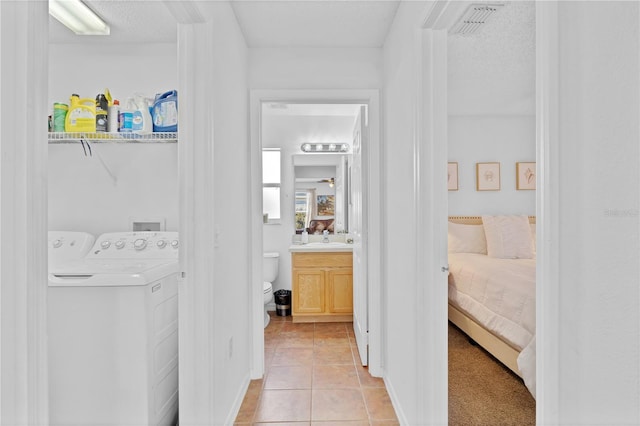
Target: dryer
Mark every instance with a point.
(113, 332)
(68, 245)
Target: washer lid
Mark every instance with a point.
(111, 272)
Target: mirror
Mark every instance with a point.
(321, 193)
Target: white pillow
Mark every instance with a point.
(467, 239)
(508, 237)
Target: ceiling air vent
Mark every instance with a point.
(475, 18)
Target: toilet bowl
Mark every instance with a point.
(269, 274)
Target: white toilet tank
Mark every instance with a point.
(270, 266)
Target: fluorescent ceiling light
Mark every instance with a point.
(76, 16)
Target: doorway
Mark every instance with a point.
(265, 104)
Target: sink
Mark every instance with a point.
(320, 244)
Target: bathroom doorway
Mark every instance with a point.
(282, 122)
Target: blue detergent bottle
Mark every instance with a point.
(165, 112)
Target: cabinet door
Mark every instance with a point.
(340, 291)
(308, 291)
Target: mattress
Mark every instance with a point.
(498, 293)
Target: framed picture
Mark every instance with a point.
(526, 175)
(452, 176)
(488, 176)
(326, 205)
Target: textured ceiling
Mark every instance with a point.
(130, 22)
(265, 23)
(312, 23)
(493, 71)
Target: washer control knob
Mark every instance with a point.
(174, 244)
(105, 245)
(140, 244)
(57, 243)
(162, 243)
(119, 244)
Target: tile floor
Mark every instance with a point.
(313, 377)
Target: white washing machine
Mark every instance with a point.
(113, 333)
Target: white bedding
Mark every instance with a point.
(500, 295)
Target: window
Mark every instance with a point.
(271, 185)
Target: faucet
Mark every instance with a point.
(325, 236)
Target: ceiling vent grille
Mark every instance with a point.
(475, 18)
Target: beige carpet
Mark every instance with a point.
(481, 390)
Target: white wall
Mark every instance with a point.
(232, 309)
(82, 194)
(400, 278)
(488, 138)
(599, 200)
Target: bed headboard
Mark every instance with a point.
(476, 220)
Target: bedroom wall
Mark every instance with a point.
(599, 201)
(490, 138)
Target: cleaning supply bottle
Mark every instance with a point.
(165, 112)
(125, 122)
(60, 111)
(113, 117)
(102, 111)
(81, 116)
(142, 123)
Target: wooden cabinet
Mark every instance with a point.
(322, 286)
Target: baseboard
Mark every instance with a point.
(402, 418)
(237, 402)
(271, 306)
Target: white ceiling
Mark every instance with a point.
(493, 71)
(265, 23)
(355, 23)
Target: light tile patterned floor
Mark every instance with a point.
(314, 378)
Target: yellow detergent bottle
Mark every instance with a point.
(81, 116)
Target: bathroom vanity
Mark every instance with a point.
(322, 282)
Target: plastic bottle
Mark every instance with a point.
(125, 121)
(142, 123)
(81, 116)
(113, 117)
(59, 116)
(102, 111)
(165, 112)
(305, 237)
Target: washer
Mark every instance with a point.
(113, 332)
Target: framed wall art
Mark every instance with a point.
(488, 176)
(526, 175)
(452, 176)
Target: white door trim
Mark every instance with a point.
(23, 213)
(374, 211)
(547, 212)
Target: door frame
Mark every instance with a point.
(375, 217)
(431, 127)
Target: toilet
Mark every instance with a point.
(269, 274)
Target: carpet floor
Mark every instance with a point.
(482, 391)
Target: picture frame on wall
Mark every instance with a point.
(526, 176)
(452, 176)
(488, 176)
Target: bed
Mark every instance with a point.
(492, 289)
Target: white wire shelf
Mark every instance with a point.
(76, 137)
